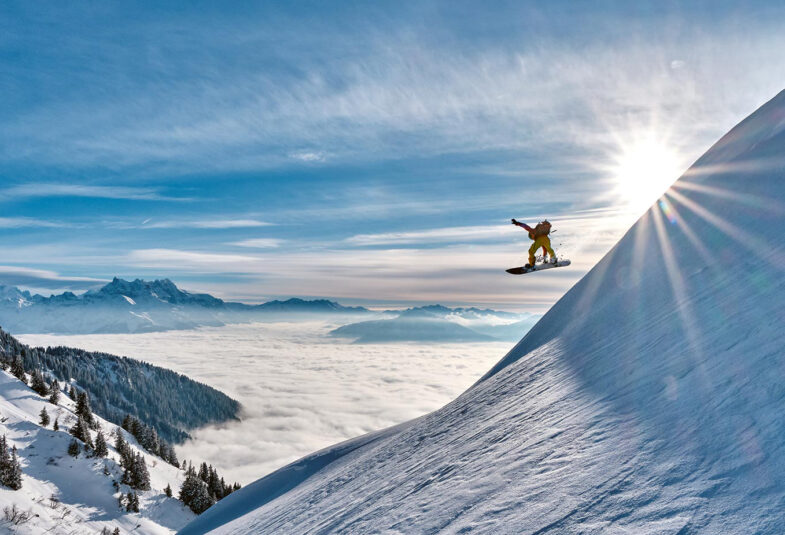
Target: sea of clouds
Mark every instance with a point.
(300, 390)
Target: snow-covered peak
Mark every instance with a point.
(14, 296)
(649, 399)
(163, 291)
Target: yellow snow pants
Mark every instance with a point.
(540, 241)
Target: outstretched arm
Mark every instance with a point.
(524, 225)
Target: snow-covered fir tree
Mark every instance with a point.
(74, 448)
(132, 502)
(148, 438)
(135, 473)
(18, 370)
(83, 409)
(38, 383)
(10, 469)
(100, 445)
(194, 493)
(81, 431)
(44, 417)
(54, 392)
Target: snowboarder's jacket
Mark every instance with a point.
(543, 228)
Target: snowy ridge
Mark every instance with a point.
(85, 497)
(647, 400)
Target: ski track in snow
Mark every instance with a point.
(648, 400)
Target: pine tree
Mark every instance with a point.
(54, 392)
(81, 431)
(119, 442)
(38, 384)
(129, 502)
(83, 408)
(116, 531)
(126, 453)
(140, 474)
(168, 490)
(194, 493)
(100, 445)
(72, 393)
(171, 456)
(14, 480)
(56, 426)
(203, 501)
(44, 417)
(18, 369)
(73, 448)
(10, 469)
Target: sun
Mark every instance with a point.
(643, 171)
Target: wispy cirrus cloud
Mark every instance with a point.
(259, 243)
(400, 94)
(36, 278)
(439, 235)
(205, 223)
(32, 190)
(308, 156)
(29, 222)
(190, 260)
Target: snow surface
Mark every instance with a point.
(648, 400)
(86, 500)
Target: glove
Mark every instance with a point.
(514, 222)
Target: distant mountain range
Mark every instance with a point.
(437, 323)
(123, 306)
(139, 306)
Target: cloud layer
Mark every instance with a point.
(300, 391)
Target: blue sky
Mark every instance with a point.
(369, 152)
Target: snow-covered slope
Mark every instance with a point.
(648, 400)
(73, 495)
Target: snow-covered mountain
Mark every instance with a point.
(408, 329)
(437, 323)
(65, 494)
(649, 399)
(143, 306)
(315, 306)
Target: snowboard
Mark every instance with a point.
(538, 267)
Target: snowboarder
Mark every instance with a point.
(540, 236)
